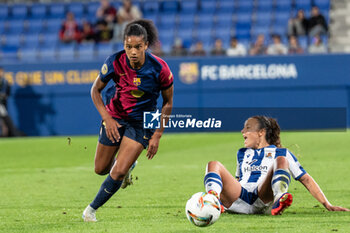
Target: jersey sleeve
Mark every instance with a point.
(166, 77)
(240, 156)
(238, 171)
(107, 70)
(295, 168)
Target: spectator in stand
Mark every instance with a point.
(236, 49)
(87, 33)
(258, 48)
(103, 33)
(127, 13)
(317, 23)
(294, 47)
(218, 50)
(298, 26)
(69, 30)
(106, 12)
(198, 49)
(317, 46)
(157, 49)
(178, 48)
(277, 47)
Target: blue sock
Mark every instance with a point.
(108, 188)
(212, 181)
(280, 182)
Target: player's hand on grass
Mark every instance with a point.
(336, 208)
(153, 146)
(111, 127)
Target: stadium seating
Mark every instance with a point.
(15, 26)
(4, 11)
(225, 7)
(57, 10)
(303, 42)
(170, 6)
(207, 6)
(28, 54)
(13, 40)
(19, 11)
(152, 16)
(86, 51)
(31, 40)
(224, 20)
(324, 5)
(47, 53)
(77, 8)
(34, 26)
(66, 52)
(104, 49)
(38, 24)
(166, 20)
(263, 18)
(245, 6)
(303, 4)
(265, 5)
(53, 25)
(186, 20)
(151, 6)
(49, 40)
(9, 53)
(91, 8)
(38, 10)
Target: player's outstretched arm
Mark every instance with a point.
(317, 193)
(166, 111)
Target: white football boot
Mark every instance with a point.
(89, 214)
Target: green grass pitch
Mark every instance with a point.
(46, 183)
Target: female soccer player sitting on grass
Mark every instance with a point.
(262, 175)
(139, 77)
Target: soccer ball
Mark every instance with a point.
(203, 209)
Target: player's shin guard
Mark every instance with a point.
(212, 182)
(280, 182)
(108, 188)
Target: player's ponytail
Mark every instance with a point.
(142, 27)
(272, 129)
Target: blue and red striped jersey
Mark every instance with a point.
(135, 91)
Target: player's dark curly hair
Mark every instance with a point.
(272, 129)
(142, 27)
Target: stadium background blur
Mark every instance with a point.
(51, 79)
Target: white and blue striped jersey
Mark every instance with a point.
(253, 164)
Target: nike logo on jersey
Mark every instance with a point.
(122, 74)
(253, 161)
(144, 137)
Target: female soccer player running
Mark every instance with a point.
(139, 78)
(262, 174)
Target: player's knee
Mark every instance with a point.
(282, 162)
(213, 165)
(118, 174)
(101, 171)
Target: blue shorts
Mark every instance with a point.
(132, 130)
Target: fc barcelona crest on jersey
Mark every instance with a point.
(137, 81)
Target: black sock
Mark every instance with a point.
(108, 188)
